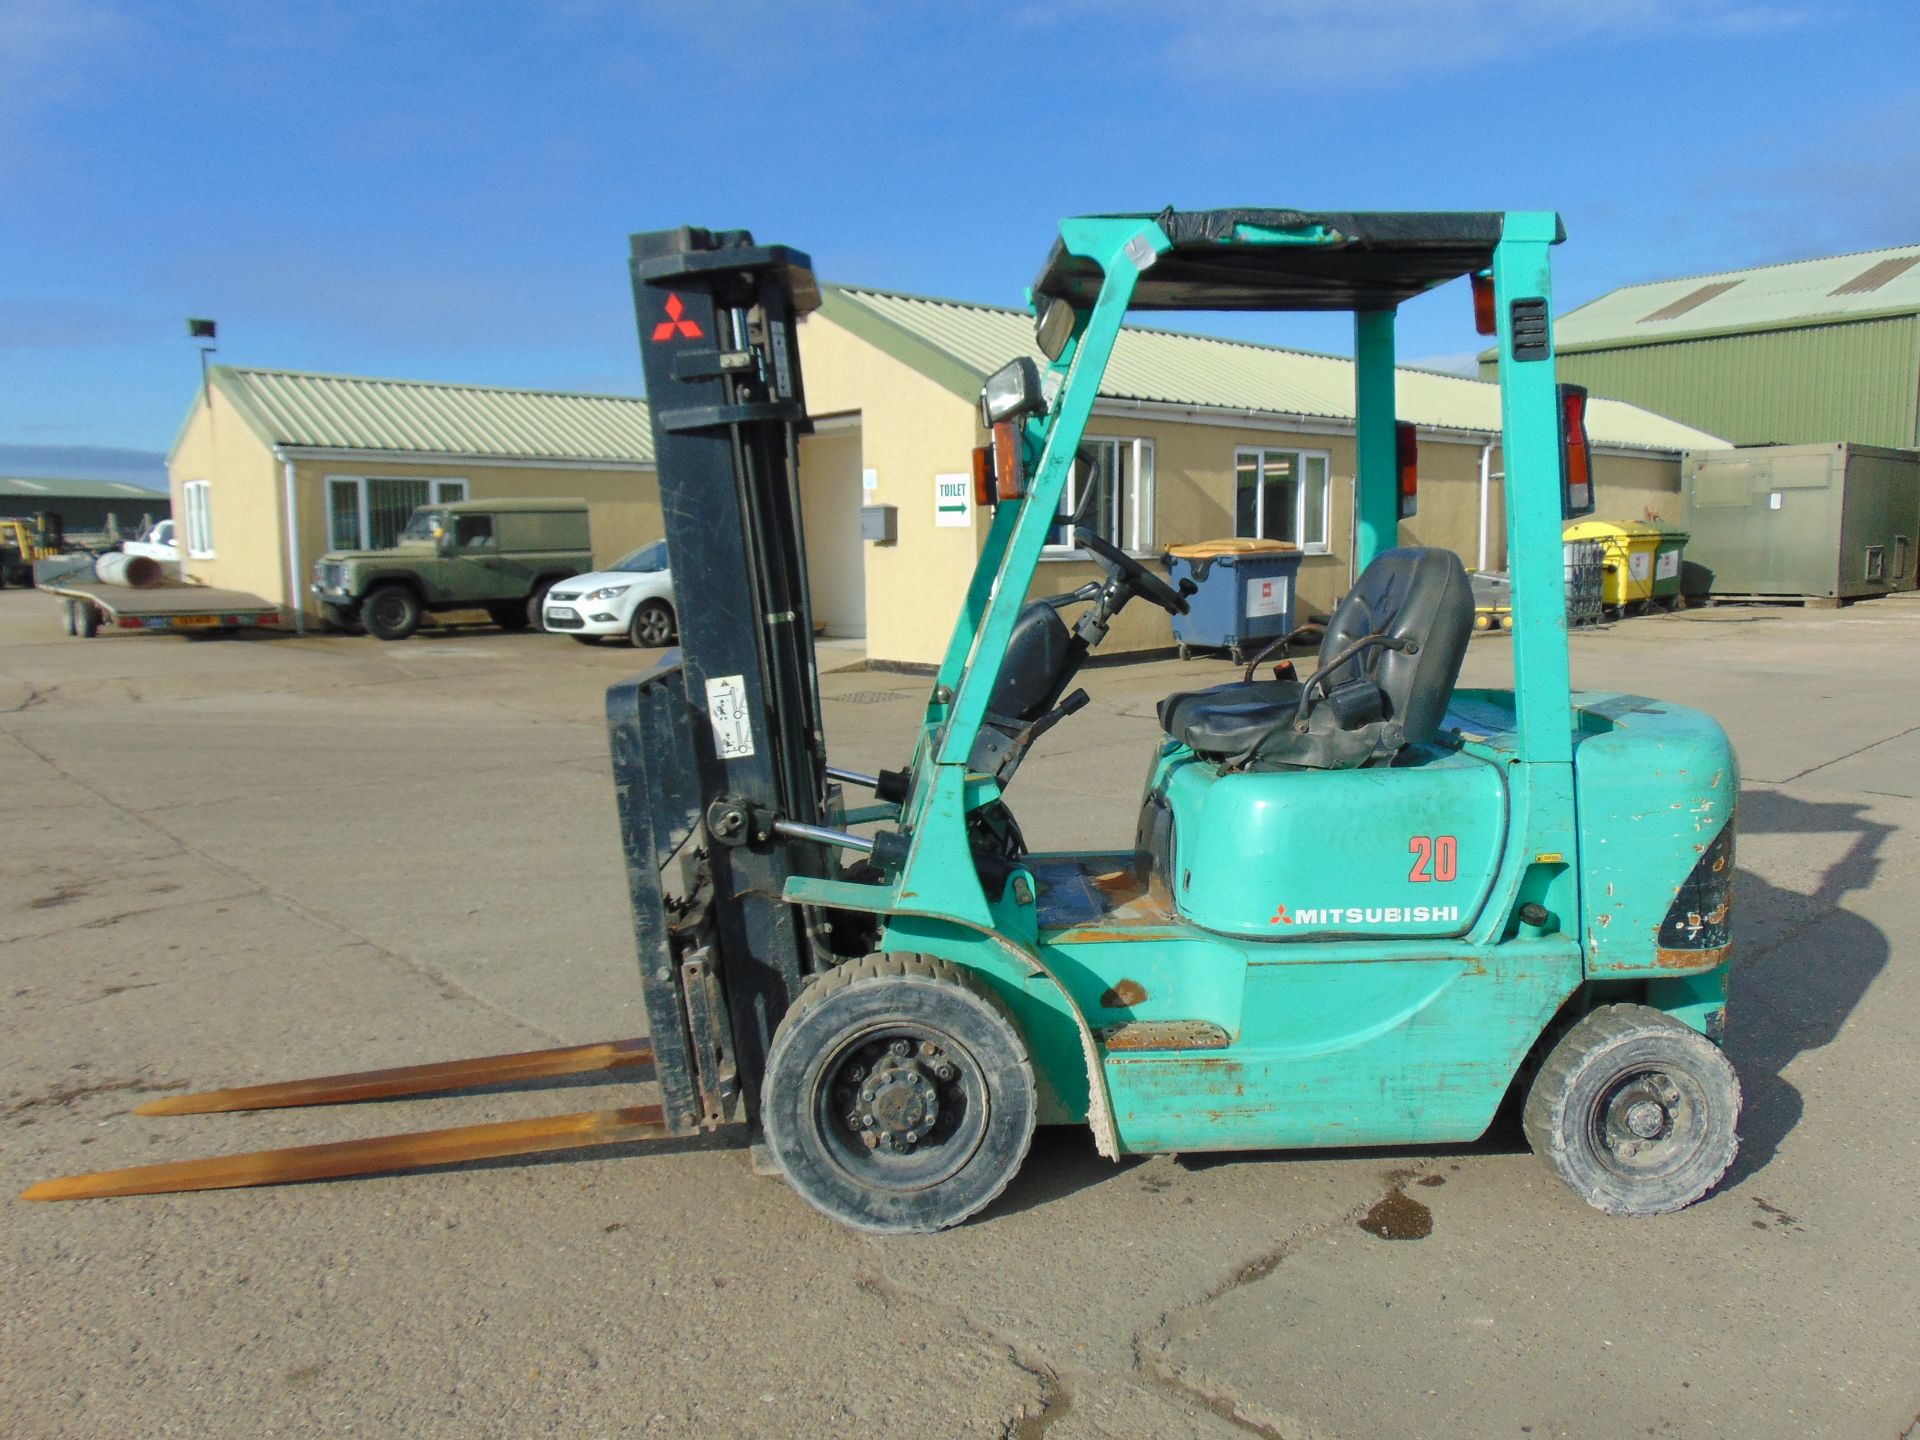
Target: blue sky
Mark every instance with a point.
(443, 190)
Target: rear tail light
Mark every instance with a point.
(1485, 317)
(1406, 446)
(1008, 471)
(1576, 455)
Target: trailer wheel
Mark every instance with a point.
(1635, 1111)
(898, 1096)
(390, 612)
(69, 614)
(86, 620)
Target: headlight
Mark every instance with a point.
(607, 592)
(1011, 392)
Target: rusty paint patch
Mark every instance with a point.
(1124, 996)
(1121, 885)
(1164, 1035)
(1692, 959)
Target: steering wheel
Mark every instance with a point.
(1143, 580)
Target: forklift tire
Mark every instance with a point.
(390, 612)
(894, 1043)
(1636, 1111)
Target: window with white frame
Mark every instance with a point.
(368, 512)
(1118, 495)
(1281, 495)
(197, 499)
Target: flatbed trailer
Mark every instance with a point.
(91, 608)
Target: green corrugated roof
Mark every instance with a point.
(1764, 297)
(31, 487)
(353, 412)
(958, 344)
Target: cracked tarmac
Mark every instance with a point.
(230, 861)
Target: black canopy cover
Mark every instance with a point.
(1381, 258)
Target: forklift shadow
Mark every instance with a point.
(1802, 963)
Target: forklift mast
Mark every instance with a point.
(724, 737)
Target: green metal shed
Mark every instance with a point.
(1816, 522)
(1810, 351)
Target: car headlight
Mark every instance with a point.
(607, 592)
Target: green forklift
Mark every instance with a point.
(1361, 907)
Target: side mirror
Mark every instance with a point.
(1052, 327)
(1011, 392)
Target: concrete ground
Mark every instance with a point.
(229, 861)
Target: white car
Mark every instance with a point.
(631, 597)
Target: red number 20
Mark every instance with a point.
(1435, 857)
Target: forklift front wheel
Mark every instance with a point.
(899, 1097)
(1635, 1111)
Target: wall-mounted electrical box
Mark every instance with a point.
(880, 524)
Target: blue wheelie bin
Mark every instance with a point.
(1245, 594)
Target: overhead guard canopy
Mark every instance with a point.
(1292, 259)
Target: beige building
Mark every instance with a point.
(1198, 438)
(275, 467)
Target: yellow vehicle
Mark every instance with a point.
(24, 541)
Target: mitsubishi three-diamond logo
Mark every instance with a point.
(675, 323)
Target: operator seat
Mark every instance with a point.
(1403, 630)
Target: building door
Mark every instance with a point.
(830, 500)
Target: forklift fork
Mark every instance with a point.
(385, 1153)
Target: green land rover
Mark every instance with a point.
(500, 556)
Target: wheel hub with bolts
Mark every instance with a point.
(1643, 1115)
(896, 1103)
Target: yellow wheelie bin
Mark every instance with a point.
(1627, 568)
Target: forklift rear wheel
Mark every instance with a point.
(1635, 1111)
(898, 1096)
(392, 612)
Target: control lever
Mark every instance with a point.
(1039, 726)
